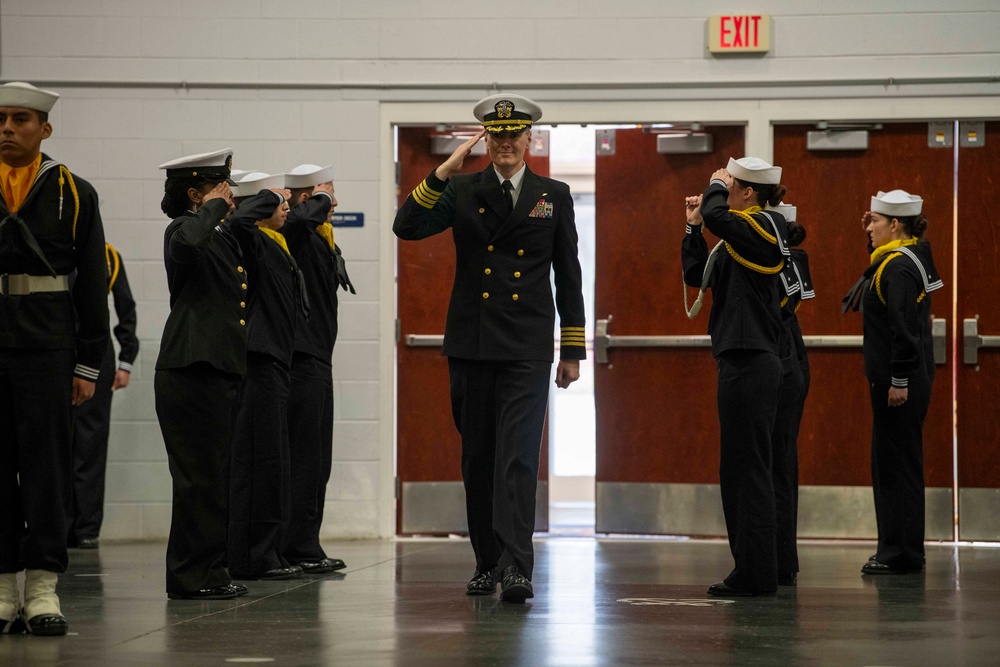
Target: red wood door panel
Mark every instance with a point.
(832, 189)
(655, 407)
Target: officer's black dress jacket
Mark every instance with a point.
(746, 311)
(896, 310)
(276, 298)
(208, 284)
(317, 334)
(124, 302)
(501, 304)
(63, 223)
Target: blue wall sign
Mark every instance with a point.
(348, 220)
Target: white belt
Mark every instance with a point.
(21, 283)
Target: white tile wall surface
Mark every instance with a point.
(128, 72)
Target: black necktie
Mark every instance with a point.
(507, 187)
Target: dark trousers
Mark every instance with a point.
(196, 407)
(259, 483)
(785, 465)
(898, 473)
(499, 409)
(749, 381)
(91, 427)
(310, 436)
(36, 431)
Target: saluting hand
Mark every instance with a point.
(692, 209)
(723, 176)
(220, 191)
(866, 220)
(453, 164)
(285, 193)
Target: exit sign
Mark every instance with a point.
(739, 33)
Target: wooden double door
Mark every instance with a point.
(655, 379)
(654, 375)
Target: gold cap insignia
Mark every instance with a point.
(504, 108)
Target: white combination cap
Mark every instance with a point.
(787, 211)
(899, 203)
(754, 170)
(215, 166)
(253, 182)
(308, 175)
(21, 94)
(505, 112)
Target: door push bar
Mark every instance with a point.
(603, 341)
(972, 341)
(424, 340)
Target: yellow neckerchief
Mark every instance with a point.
(890, 246)
(326, 231)
(881, 252)
(276, 237)
(114, 264)
(16, 182)
(748, 216)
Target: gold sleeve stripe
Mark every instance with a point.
(425, 196)
(573, 328)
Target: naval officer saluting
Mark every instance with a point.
(511, 229)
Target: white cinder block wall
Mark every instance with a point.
(291, 81)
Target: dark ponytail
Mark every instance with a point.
(796, 234)
(766, 194)
(915, 225)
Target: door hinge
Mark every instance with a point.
(399, 330)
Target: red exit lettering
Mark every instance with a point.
(737, 32)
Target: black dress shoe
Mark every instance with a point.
(482, 583)
(721, 590)
(47, 625)
(240, 589)
(875, 567)
(787, 579)
(322, 566)
(227, 592)
(14, 627)
(514, 586)
(88, 543)
(277, 574)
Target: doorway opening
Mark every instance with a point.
(572, 427)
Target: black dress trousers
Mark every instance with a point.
(310, 436)
(785, 465)
(259, 479)
(196, 407)
(91, 428)
(36, 432)
(898, 472)
(749, 381)
(499, 410)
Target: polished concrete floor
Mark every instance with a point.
(599, 602)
